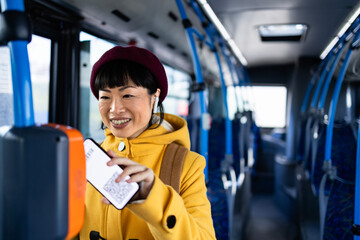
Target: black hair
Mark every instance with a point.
(118, 73)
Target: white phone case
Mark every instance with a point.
(102, 177)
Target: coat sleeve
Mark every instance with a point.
(173, 216)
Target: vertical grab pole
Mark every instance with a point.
(232, 62)
(20, 68)
(335, 97)
(327, 163)
(205, 118)
(228, 125)
(229, 158)
(230, 67)
(227, 162)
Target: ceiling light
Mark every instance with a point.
(282, 32)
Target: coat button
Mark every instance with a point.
(121, 146)
(170, 221)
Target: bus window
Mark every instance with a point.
(270, 106)
(39, 58)
(90, 120)
(39, 50)
(6, 91)
(235, 100)
(176, 101)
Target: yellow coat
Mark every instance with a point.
(165, 214)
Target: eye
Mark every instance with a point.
(127, 96)
(104, 97)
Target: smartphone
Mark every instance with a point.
(102, 176)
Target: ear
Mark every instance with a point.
(156, 95)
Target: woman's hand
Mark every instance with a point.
(141, 174)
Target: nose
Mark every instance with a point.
(117, 106)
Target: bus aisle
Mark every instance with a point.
(267, 221)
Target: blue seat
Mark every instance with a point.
(236, 144)
(216, 192)
(257, 140)
(217, 195)
(343, 153)
(194, 131)
(339, 216)
(219, 205)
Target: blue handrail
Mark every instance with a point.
(227, 162)
(310, 87)
(210, 34)
(321, 80)
(204, 133)
(230, 66)
(340, 49)
(20, 69)
(228, 124)
(17, 5)
(230, 60)
(335, 97)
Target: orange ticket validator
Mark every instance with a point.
(77, 179)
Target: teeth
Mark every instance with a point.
(118, 122)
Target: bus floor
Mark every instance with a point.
(265, 221)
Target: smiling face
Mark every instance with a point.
(127, 92)
(126, 110)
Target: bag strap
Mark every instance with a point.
(172, 165)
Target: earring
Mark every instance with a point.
(156, 105)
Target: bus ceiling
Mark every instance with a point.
(157, 25)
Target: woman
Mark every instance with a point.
(129, 82)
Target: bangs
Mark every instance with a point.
(118, 73)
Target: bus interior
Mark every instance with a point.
(269, 89)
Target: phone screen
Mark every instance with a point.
(102, 176)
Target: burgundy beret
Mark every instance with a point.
(134, 54)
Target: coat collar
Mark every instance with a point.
(173, 129)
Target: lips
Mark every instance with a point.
(119, 123)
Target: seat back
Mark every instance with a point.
(339, 216)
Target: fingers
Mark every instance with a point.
(135, 173)
(116, 160)
(146, 175)
(112, 154)
(132, 172)
(130, 168)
